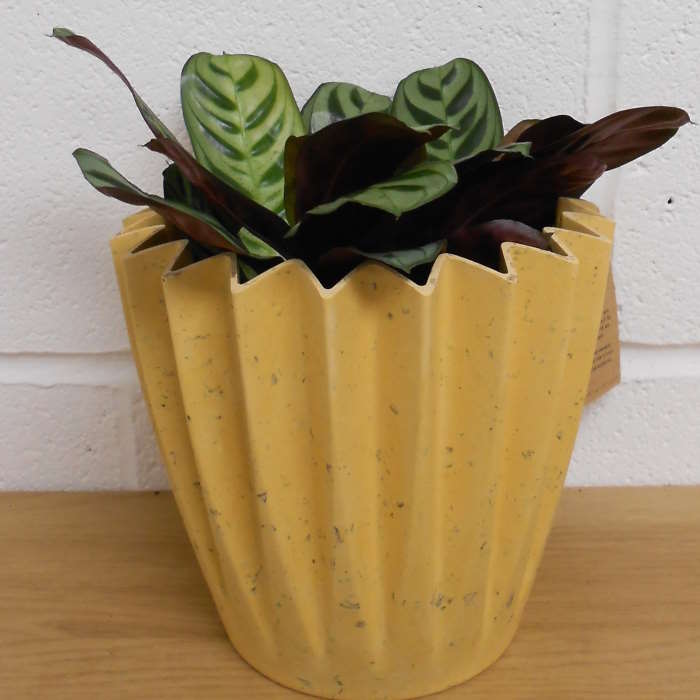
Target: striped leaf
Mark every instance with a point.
(239, 111)
(457, 94)
(406, 260)
(198, 225)
(402, 193)
(332, 102)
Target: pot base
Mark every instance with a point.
(400, 684)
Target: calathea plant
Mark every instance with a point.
(355, 175)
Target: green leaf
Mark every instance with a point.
(406, 191)
(333, 102)
(256, 247)
(245, 271)
(406, 260)
(239, 111)
(457, 94)
(202, 227)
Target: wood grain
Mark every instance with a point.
(100, 597)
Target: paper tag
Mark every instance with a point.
(606, 358)
(605, 373)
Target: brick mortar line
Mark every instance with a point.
(640, 361)
(55, 369)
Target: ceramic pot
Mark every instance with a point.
(367, 474)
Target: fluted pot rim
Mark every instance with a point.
(560, 252)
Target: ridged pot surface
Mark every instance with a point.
(367, 474)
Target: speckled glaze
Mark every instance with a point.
(367, 474)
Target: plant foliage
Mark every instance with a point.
(356, 175)
(457, 94)
(239, 112)
(333, 102)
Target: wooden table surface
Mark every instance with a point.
(100, 598)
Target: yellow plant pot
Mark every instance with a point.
(367, 474)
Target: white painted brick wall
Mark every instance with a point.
(71, 415)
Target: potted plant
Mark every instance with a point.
(364, 331)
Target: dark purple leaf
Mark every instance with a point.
(513, 187)
(351, 225)
(543, 132)
(347, 156)
(516, 132)
(84, 44)
(522, 189)
(482, 242)
(373, 230)
(615, 140)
